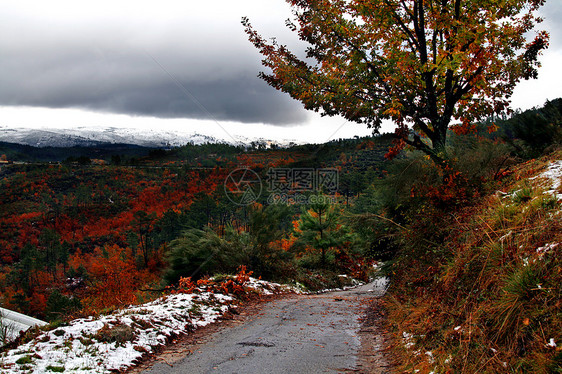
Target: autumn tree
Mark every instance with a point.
(424, 64)
(113, 277)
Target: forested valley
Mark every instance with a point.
(472, 251)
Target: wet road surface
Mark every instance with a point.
(297, 334)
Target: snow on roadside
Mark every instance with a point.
(270, 288)
(116, 341)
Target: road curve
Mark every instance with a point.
(298, 334)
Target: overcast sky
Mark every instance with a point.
(173, 65)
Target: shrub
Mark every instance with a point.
(119, 334)
(203, 252)
(56, 369)
(59, 305)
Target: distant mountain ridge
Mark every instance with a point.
(85, 137)
(93, 137)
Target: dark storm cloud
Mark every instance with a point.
(118, 71)
(126, 87)
(151, 91)
(241, 99)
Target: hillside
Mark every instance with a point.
(481, 292)
(65, 227)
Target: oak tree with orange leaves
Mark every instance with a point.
(427, 65)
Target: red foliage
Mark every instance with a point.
(400, 133)
(229, 286)
(454, 191)
(113, 277)
(88, 209)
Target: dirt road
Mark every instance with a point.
(297, 334)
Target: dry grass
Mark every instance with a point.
(487, 299)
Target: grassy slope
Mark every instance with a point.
(487, 299)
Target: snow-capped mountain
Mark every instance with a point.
(92, 136)
(87, 137)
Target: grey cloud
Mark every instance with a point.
(241, 97)
(102, 73)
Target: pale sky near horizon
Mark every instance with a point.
(66, 64)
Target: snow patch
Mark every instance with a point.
(113, 342)
(553, 174)
(430, 357)
(408, 339)
(546, 248)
